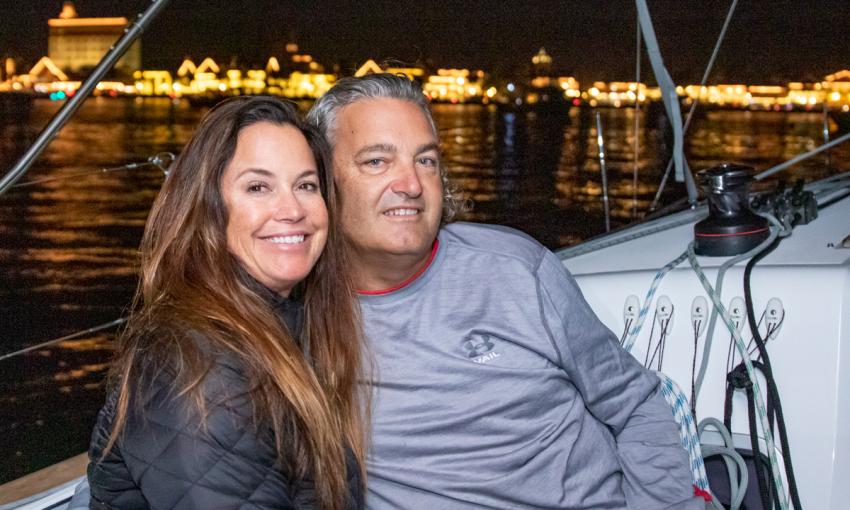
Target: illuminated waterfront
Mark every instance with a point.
(68, 254)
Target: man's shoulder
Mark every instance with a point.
(494, 240)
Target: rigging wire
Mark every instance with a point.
(88, 331)
(690, 115)
(670, 99)
(603, 169)
(637, 124)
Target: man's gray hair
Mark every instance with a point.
(346, 91)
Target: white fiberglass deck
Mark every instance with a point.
(810, 274)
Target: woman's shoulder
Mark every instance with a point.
(177, 357)
(187, 433)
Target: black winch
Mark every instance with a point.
(731, 227)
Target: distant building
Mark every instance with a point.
(455, 86)
(77, 44)
(372, 67)
(542, 65)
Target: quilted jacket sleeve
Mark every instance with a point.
(166, 460)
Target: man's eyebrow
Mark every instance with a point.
(376, 147)
(433, 146)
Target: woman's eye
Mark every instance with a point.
(308, 186)
(257, 187)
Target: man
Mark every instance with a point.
(495, 384)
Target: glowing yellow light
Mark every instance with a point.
(593, 92)
(46, 63)
(208, 65)
(491, 92)
(273, 65)
(187, 67)
(87, 22)
(222, 87)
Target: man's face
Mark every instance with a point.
(387, 166)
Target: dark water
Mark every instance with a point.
(68, 246)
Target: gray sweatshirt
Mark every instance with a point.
(497, 387)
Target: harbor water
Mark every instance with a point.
(68, 244)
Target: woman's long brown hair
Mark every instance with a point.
(190, 284)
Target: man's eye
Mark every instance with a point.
(428, 161)
(375, 162)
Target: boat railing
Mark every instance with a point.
(822, 188)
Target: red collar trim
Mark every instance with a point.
(410, 280)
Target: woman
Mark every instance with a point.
(229, 394)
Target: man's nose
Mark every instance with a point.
(288, 208)
(407, 181)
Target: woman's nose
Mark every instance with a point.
(288, 208)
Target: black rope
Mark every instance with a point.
(697, 325)
(765, 367)
(626, 332)
(649, 344)
(763, 482)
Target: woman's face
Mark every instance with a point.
(278, 222)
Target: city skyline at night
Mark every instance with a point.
(590, 40)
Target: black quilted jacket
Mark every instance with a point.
(163, 461)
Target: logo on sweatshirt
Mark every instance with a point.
(480, 347)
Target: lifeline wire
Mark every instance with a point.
(759, 400)
(93, 329)
(793, 161)
(162, 160)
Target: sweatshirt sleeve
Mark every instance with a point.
(177, 464)
(619, 392)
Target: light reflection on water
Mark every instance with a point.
(69, 247)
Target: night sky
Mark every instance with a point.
(768, 41)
